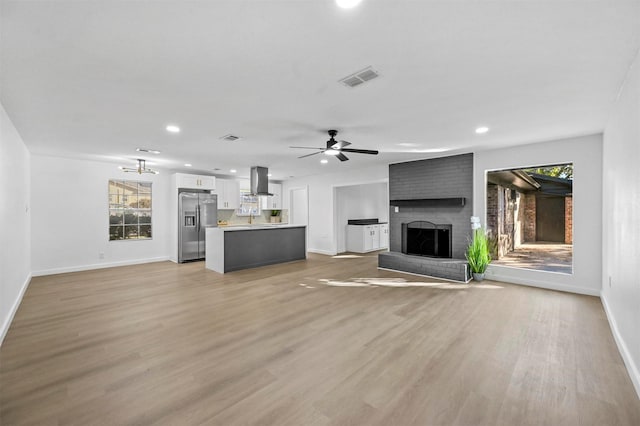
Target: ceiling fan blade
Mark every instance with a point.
(306, 147)
(360, 151)
(342, 157)
(340, 144)
(309, 155)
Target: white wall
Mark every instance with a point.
(15, 217)
(70, 217)
(586, 155)
(369, 201)
(621, 222)
(322, 233)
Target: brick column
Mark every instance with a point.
(529, 218)
(568, 220)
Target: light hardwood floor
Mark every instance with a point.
(327, 341)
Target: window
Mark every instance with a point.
(129, 210)
(530, 217)
(249, 204)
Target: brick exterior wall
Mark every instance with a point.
(520, 221)
(446, 177)
(492, 208)
(530, 218)
(568, 220)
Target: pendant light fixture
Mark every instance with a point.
(140, 169)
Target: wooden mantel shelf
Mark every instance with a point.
(430, 202)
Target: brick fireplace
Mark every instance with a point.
(434, 194)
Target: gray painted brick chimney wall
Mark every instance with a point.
(446, 177)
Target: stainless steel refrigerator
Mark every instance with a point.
(196, 212)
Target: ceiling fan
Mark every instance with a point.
(336, 148)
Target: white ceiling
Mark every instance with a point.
(96, 79)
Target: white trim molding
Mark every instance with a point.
(9, 319)
(632, 368)
(325, 252)
(97, 266)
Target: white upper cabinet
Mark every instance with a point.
(273, 202)
(187, 181)
(228, 191)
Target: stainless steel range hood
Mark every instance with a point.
(259, 181)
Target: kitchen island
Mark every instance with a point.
(242, 247)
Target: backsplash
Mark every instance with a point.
(231, 218)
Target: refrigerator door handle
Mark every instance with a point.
(198, 218)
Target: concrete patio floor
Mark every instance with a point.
(542, 256)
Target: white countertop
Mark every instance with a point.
(257, 226)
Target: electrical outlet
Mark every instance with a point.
(101, 255)
(397, 209)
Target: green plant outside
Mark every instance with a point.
(479, 253)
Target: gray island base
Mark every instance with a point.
(242, 247)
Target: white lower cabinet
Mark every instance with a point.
(384, 235)
(365, 238)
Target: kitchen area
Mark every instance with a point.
(233, 224)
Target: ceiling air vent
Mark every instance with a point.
(360, 77)
(230, 138)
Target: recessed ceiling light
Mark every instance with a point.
(332, 152)
(348, 4)
(233, 171)
(324, 161)
(187, 165)
(481, 130)
(150, 151)
(172, 128)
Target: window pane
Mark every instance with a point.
(130, 217)
(131, 231)
(144, 188)
(115, 187)
(115, 201)
(144, 217)
(132, 201)
(144, 201)
(145, 231)
(116, 232)
(115, 217)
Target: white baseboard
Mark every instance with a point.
(632, 368)
(496, 276)
(97, 266)
(14, 308)
(325, 252)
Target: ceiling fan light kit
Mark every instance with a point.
(336, 148)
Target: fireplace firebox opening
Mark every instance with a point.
(423, 238)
